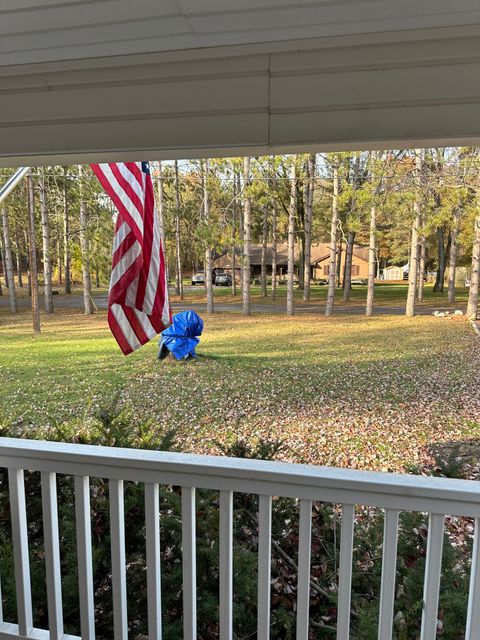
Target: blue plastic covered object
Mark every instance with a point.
(181, 336)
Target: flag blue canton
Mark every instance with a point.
(146, 168)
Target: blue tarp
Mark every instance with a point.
(181, 337)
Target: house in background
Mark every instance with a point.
(395, 272)
(319, 263)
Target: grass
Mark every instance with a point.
(366, 393)
(385, 294)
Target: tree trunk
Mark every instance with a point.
(339, 261)
(59, 262)
(4, 267)
(308, 226)
(417, 213)
(241, 233)
(85, 251)
(27, 264)
(178, 270)
(421, 267)
(452, 267)
(274, 252)
(32, 255)
(347, 274)
(234, 231)
(333, 242)
(161, 215)
(47, 262)
(263, 277)
(18, 257)
(472, 307)
(208, 250)
(291, 238)
(247, 233)
(9, 262)
(442, 254)
(66, 238)
(371, 262)
(97, 276)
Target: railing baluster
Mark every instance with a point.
(433, 568)
(152, 528)
(84, 556)
(473, 614)
(20, 550)
(119, 578)
(389, 565)
(345, 572)
(264, 565)
(189, 564)
(226, 565)
(303, 587)
(52, 554)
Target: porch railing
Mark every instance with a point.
(391, 492)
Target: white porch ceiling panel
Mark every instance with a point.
(46, 30)
(123, 79)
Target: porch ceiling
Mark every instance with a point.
(117, 80)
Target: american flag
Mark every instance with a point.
(138, 305)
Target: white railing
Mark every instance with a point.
(391, 492)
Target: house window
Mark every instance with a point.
(355, 269)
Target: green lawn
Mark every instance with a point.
(385, 294)
(348, 391)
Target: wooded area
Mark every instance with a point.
(419, 208)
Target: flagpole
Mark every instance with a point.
(12, 182)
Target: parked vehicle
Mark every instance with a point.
(198, 278)
(223, 280)
(359, 281)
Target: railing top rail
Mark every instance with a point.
(402, 491)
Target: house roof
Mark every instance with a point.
(320, 252)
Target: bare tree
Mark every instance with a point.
(291, 237)
(310, 187)
(472, 307)
(161, 213)
(32, 254)
(208, 250)
(85, 251)
(263, 276)
(417, 216)
(234, 234)
(422, 261)
(452, 267)
(9, 261)
(371, 261)
(247, 233)
(66, 237)
(333, 240)
(347, 274)
(274, 251)
(178, 270)
(47, 261)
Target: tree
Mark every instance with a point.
(417, 213)
(47, 261)
(453, 254)
(10, 281)
(32, 254)
(333, 240)
(85, 250)
(310, 188)
(178, 256)
(472, 307)
(208, 250)
(263, 276)
(247, 234)
(291, 237)
(66, 236)
(274, 250)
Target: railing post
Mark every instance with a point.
(303, 586)
(84, 555)
(189, 564)
(152, 529)
(264, 566)
(433, 569)
(226, 565)
(16, 484)
(345, 572)
(52, 554)
(473, 615)
(119, 578)
(389, 565)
